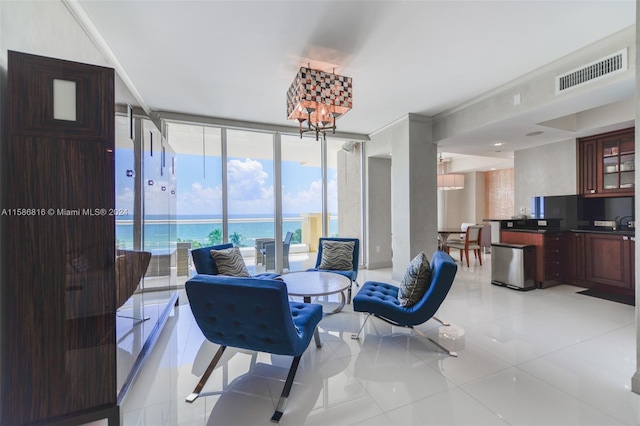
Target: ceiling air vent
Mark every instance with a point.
(611, 64)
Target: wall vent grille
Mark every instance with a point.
(596, 70)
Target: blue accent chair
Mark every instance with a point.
(205, 264)
(253, 314)
(353, 273)
(381, 299)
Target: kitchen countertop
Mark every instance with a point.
(627, 232)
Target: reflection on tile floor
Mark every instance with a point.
(549, 357)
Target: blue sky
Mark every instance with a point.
(250, 181)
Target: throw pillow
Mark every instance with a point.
(229, 262)
(337, 255)
(416, 281)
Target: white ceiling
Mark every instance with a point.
(236, 59)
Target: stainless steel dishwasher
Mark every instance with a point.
(513, 265)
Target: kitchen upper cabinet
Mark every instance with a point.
(606, 164)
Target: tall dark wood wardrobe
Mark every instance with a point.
(58, 239)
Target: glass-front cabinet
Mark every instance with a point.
(618, 162)
(607, 164)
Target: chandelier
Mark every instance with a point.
(448, 181)
(318, 98)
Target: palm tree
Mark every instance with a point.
(215, 237)
(235, 239)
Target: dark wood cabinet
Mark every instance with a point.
(609, 260)
(576, 259)
(600, 260)
(58, 276)
(607, 164)
(549, 249)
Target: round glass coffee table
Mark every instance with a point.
(314, 284)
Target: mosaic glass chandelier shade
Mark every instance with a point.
(318, 98)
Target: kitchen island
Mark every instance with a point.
(592, 257)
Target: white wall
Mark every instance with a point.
(349, 193)
(545, 170)
(413, 188)
(45, 28)
(462, 205)
(379, 213)
(537, 90)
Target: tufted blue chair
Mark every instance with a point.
(381, 299)
(351, 274)
(253, 314)
(204, 263)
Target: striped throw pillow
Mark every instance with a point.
(337, 255)
(229, 262)
(416, 281)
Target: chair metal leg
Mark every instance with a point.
(445, 323)
(357, 336)
(316, 337)
(287, 389)
(196, 392)
(447, 351)
(138, 319)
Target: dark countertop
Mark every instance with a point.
(630, 233)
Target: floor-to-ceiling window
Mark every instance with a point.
(250, 195)
(227, 192)
(199, 189)
(301, 167)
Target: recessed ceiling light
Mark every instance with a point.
(499, 143)
(536, 133)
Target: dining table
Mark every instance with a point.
(443, 234)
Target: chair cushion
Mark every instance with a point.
(337, 255)
(229, 262)
(416, 281)
(461, 246)
(203, 261)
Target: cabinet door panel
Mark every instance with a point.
(607, 164)
(608, 260)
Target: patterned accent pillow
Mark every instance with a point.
(229, 262)
(416, 281)
(337, 255)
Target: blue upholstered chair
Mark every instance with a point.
(204, 263)
(381, 299)
(252, 314)
(352, 274)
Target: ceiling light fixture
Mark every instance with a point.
(318, 98)
(499, 143)
(448, 181)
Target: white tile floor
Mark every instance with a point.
(544, 357)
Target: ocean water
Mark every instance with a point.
(157, 231)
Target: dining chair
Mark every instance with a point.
(472, 241)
